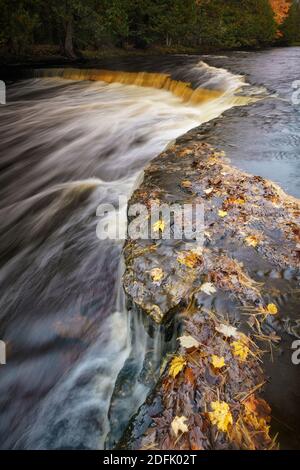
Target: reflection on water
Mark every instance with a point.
(68, 146)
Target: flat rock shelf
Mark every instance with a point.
(235, 297)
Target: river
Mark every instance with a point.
(67, 146)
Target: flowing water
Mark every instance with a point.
(67, 146)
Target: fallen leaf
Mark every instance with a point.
(159, 226)
(189, 376)
(235, 201)
(258, 406)
(179, 425)
(189, 258)
(186, 184)
(217, 361)
(222, 213)
(177, 364)
(208, 288)
(272, 309)
(252, 240)
(157, 274)
(208, 191)
(188, 342)
(228, 331)
(221, 415)
(240, 350)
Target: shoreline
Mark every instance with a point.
(92, 57)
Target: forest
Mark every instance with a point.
(75, 26)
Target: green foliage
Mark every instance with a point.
(18, 21)
(291, 26)
(236, 23)
(92, 24)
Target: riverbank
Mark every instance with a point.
(51, 55)
(228, 296)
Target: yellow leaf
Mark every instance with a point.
(217, 361)
(240, 201)
(186, 184)
(252, 240)
(222, 213)
(237, 201)
(159, 226)
(240, 350)
(178, 425)
(221, 415)
(157, 274)
(177, 364)
(272, 309)
(189, 258)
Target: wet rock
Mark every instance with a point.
(244, 275)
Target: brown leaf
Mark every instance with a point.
(189, 376)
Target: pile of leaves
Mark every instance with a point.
(209, 392)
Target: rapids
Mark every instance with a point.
(68, 145)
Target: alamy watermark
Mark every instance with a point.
(296, 93)
(2, 353)
(152, 221)
(2, 92)
(296, 353)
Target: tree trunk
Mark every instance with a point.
(69, 48)
(168, 40)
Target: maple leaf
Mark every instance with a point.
(189, 258)
(228, 331)
(179, 425)
(177, 364)
(241, 350)
(208, 288)
(217, 361)
(188, 342)
(159, 226)
(252, 240)
(221, 415)
(157, 274)
(222, 213)
(272, 309)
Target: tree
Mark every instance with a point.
(281, 9)
(18, 21)
(291, 26)
(236, 23)
(173, 20)
(65, 14)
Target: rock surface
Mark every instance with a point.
(248, 262)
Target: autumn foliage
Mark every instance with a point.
(281, 9)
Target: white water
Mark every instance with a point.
(67, 147)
